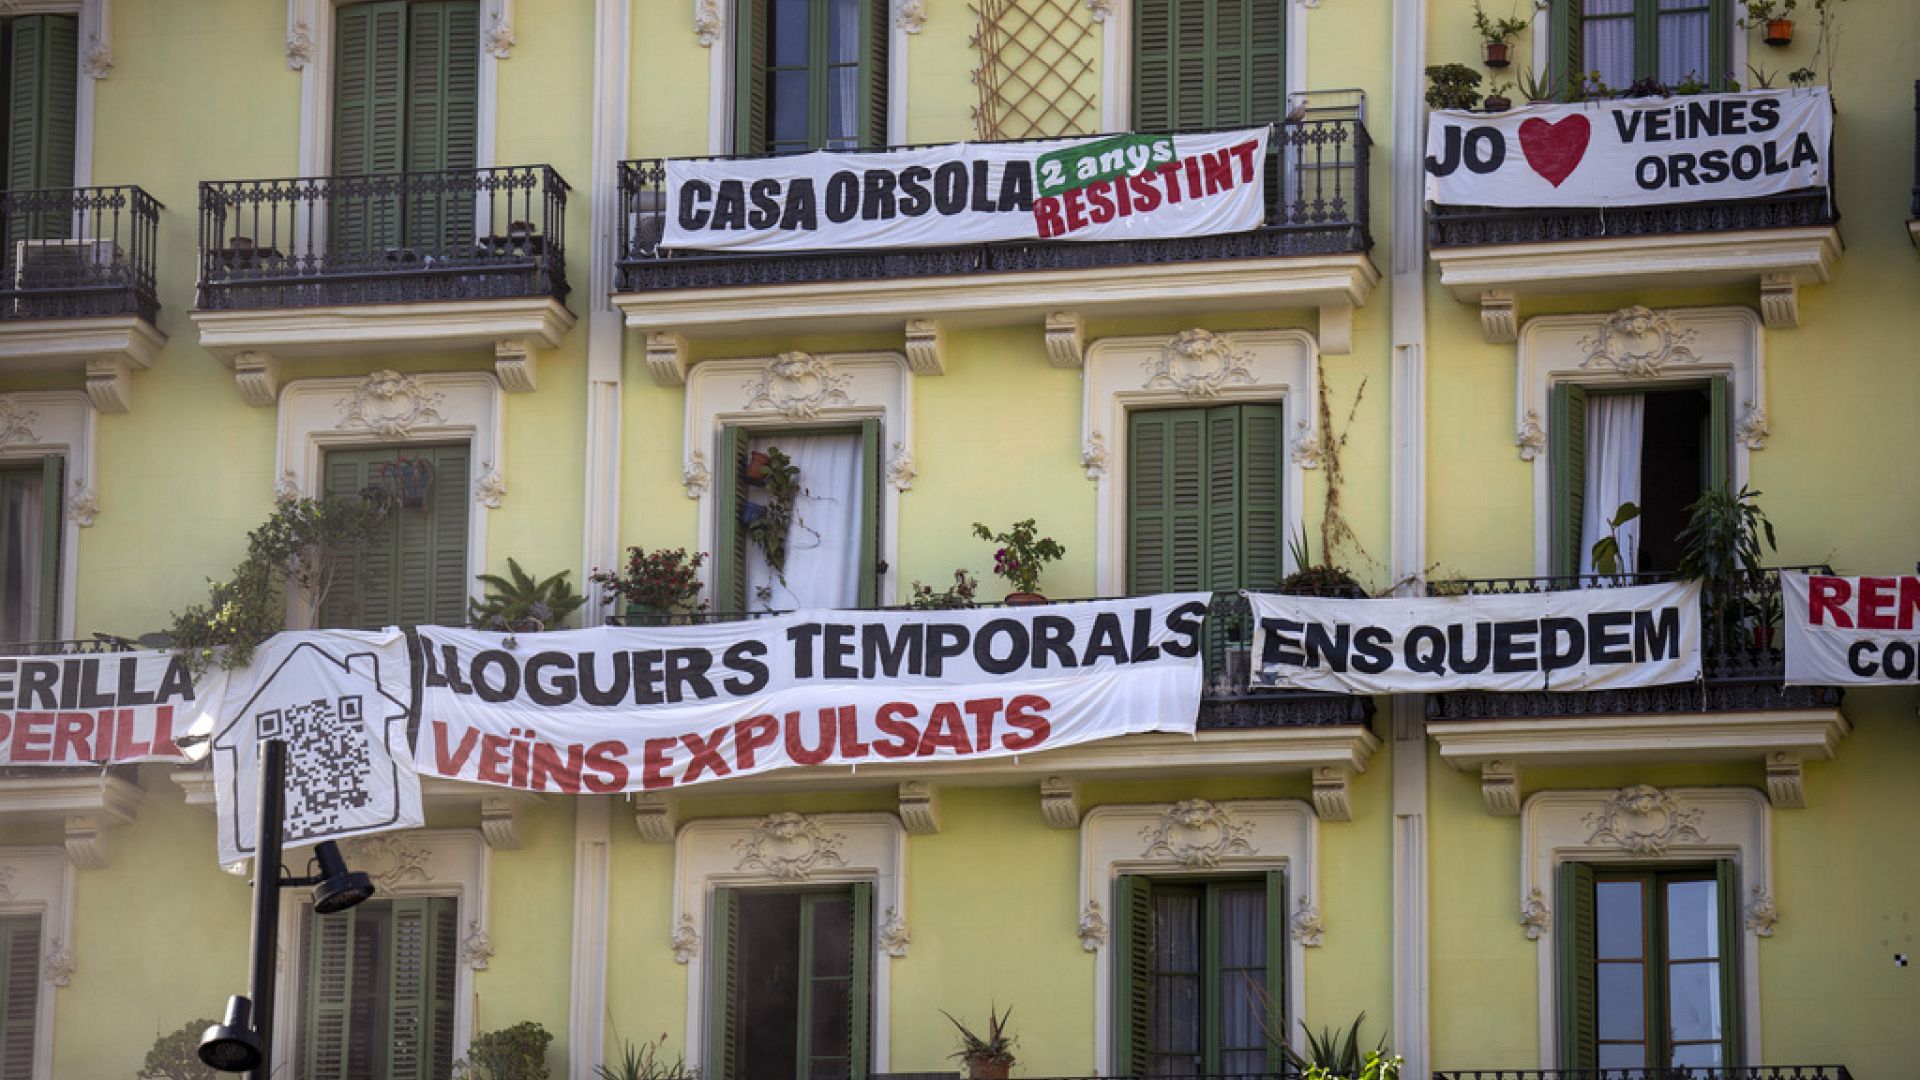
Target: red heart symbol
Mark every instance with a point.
(1554, 150)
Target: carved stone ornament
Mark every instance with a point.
(1102, 9)
(694, 475)
(1534, 916)
(706, 22)
(499, 40)
(476, 950)
(1638, 341)
(489, 488)
(1093, 456)
(98, 60)
(685, 941)
(83, 505)
(1309, 446)
(900, 470)
(58, 968)
(1762, 916)
(1198, 363)
(1306, 926)
(1197, 835)
(389, 860)
(1532, 439)
(1645, 821)
(798, 385)
(789, 847)
(912, 16)
(390, 405)
(16, 423)
(894, 936)
(1093, 927)
(1752, 431)
(299, 46)
(6, 882)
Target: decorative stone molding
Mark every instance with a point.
(500, 822)
(1060, 803)
(926, 347)
(287, 487)
(707, 24)
(39, 881)
(684, 941)
(1534, 915)
(299, 46)
(1306, 926)
(257, 375)
(489, 488)
(1196, 834)
(58, 967)
(667, 358)
(16, 422)
(912, 16)
(1639, 341)
(695, 477)
(1309, 449)
(1336, 329)
(1066, 334)
(1532, 438)
(500, 38)
(104, 350)
(789, 847)
(513, 363)
(798, 386)
(655, 815)
(389, 404)
(1752, 432)
(1199, 364)
(1644, 820)
(391, 860)
(1093, 456)
(1093, 927)
(900, 469)
(894, 936)
(83, 504)
(1786, 788)
(919, 807)
(1761, 915)
(1332, 792)
(1499, 322)
(1780, 301)
(110, 384)
(97, 61)
(476, 949)
(1102, 9)
(1500, 788)
(85, 838)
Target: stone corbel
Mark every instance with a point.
(1336, 329)
(1066, 339)
(110, 384)
(919, 807)
(500, 822)
(86, 842)
(513, 363)
(1497, 322)
(926, 347)
(656, 816)
(1060, 802)
(667, 358)
(1500, 788)
(1786, 787)
(1332, 792)
(1780, 301)
(258, 376)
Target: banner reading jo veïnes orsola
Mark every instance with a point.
(639, 709)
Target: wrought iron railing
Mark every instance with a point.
(1915, 212)
(1743, 663)
(98, 643)
(79, 252)
(1672, 1072)
(1464, 226)
(461, 234)
(1316, 192)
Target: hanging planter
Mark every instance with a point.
(1779, 32)
(752, 513)
(758, 464)
(408, 479)
(1497, 54)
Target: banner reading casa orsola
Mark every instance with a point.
(1632, 151)
(1585, 639)
(1859, 631)
(1114, 187)
(636, 709)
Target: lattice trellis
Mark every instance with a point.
(1036, 76)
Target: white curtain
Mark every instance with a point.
(1606, 45)
(843, 88)
(23, 568)
(1615, 428)
(1683, 44)
(823, 546)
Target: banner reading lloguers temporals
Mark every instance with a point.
(1858, 631)
(101, 709)
(644, 709)
(1632, 151)
(1583, 639)
(1116, 187)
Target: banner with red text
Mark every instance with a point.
(1108, 187)
(1851, 631)
(648, 709)
(1632, 151)
(93, 709)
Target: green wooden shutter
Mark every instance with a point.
(860, 991)
(330, 987)
(1578, 975)
(730, 537)
(1732, 923)
(1276, 964)
(723, 987)
(43, 68)
(416, 573)
(870, 523)
(1167, 500)
(19, 994)
(875, 30)
(1566, 64)
(1208, 63)
(1132, 973)
(52, 518)
(442, 121)
(751, 18)
(1222, 508)
(1719, 436)
(445, 541)
(1153, 64)
(420, 975)
(1263, 510)
(1719, 49)
(369, 120)
(1567, 428)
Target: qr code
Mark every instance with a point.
(328, 761)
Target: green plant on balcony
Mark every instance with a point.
(655, 582)
(1453, 86)
(770, 524)
(989, 1056)
(1607, 556)
(647, 1061)
(1722, 548)
(1535, 86)
(1692, 84)
(1496, 35)
(523, 603)
(1323, 578)
(1021, 556)
(955, 596)
(176, 1054)
(515, 1053)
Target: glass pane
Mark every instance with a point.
(788, 48)
(1683, 47)
(843, 24)
(1697, 1054)
(1693, 920)
(1243, 928)
(1608, 7)
(1606, 46)
(1176, 931)
(1617, 909)
(1240, 1011)
(1176, 1014)
(832, 937)
(843, 108)
(832, 1020)
(23, 556)
(1175, 1009)
(1623, 1010)
(1622, 1055)
(787, 106)
(1693, 1000)
(1248, 1063)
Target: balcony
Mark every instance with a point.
(338, 265)
(1677, 1072)
(1740, 710)
(77, 286)
(1310, 251)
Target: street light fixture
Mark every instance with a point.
(243, 1042)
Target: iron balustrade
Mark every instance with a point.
(1743, 662)
(458, 234)
(93, 646)
(1465, 226)
(1316, 204)
(79, 253)
(1671, 1072)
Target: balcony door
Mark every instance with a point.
(1625, 41)
(30, 520)
(1201, 64)
(416, 571)
(810, 75)
(379, 991)
(405, 100)
(42, 57)
(792, 984)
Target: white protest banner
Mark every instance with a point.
(96, 709)
(613, 709)
(1114, 187)
(1633, 151)
(1582, 639)
(340, 700)
(1851, 631)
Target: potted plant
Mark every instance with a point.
(515, 1053)
(655, 584)
(646, 1062)
(1020, 558)
(1773, 15)
(768, 524)
(1690, 85)
(1648, 87)
(1609, 559)
(521, 603)
(1324, 578)
(1536, 88)
(986, 1057)
(1497, 100)
(957, 595)
(1721, 547)
(1454, 86)
(1496, 36)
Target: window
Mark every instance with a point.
(30, 521)
(1655, 448)
(811, 75)
(1629, 40)
(792, 983)
(1208, 63)
(417, 572)
(43, 64)
(379, 991)
(833, 541)
(1648, 966)
(19, 994)
(1200, 966)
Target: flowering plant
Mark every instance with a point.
(1021, 554)
(664, 580)
(957, 595)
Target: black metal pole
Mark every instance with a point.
(266, 896)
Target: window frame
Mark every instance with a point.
(714, 23)
(859, 897)
(1117, 52)
(730, 545)
(1557, 34)
(63, 424)
(307, 945)
(43, 885)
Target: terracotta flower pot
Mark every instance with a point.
(1498, 54)
(1017, 598)
(1498, 104)
(1779, 32)
(986, 1068)
(757, 465)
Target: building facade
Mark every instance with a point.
(289, 249)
